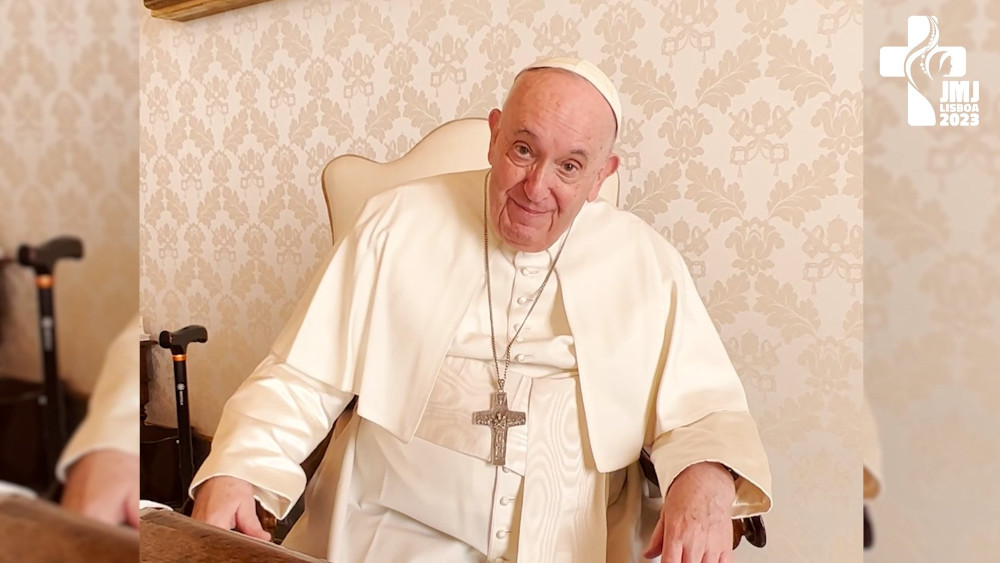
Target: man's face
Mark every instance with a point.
(550, 152)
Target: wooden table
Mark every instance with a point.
(169, 537)
(39, 531)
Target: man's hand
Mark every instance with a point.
(104, 485)
(227, 503)
(695, 524)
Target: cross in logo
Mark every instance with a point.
(922, 41)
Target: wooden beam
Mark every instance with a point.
(187, 10)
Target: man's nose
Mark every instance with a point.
(535, 183)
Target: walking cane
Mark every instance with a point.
(177, 342)
(43, 260)
(869, 530)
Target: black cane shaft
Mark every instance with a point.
(55, 416)
(45, 307)
(186, 447)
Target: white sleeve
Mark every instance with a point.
(112, 420)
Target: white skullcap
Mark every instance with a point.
(589, 72)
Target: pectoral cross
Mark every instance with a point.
(499, 419)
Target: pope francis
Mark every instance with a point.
(513, 344)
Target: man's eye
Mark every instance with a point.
(570, 167)
(522, 150)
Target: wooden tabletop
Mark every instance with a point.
(39, 531)
(169, 537)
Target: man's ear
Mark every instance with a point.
(610, 166)
(494, 120)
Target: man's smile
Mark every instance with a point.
(527, 211)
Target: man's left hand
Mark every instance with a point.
(104, 485)
(695, 524)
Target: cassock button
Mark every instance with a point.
(521, 358)
(529, 271)
(523, 299)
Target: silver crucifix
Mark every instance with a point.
(499, 419)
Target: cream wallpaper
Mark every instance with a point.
(742, 144)
(69, 147)
(932, 317)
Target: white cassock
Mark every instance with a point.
(619, 353)
(112, 421)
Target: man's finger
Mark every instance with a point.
(672, 552)
(696, 550)
(220, 522)
(132, 510)
(105, 511)
(248, 523)
(225, 519)
(655, 544)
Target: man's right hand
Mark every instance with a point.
(228, 503)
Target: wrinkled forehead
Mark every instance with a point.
(584, 70)
(551, 89)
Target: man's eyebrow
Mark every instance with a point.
(580, 152)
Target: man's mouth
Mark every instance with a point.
(528, 211)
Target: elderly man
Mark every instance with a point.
(513, 344)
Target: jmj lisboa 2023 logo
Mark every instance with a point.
(933, 96)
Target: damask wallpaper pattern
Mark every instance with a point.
(741, 143)
(69, 151)
(932, 303)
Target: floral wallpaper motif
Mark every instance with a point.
(69, 155)
(741, 143)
